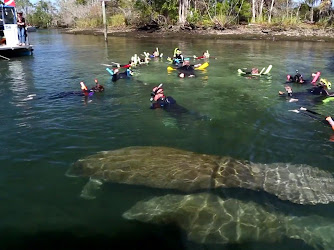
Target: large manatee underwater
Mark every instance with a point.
(170, 168)
(207, 218)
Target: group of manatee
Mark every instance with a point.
(205, 216)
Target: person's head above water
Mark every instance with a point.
(186, 62)
(324, 82)
(255, 70)
(157, 93)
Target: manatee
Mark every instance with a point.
(207, 218)
(170, 168)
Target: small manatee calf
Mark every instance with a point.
(170, 168)
(207, 218)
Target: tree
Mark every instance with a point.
(183, 11)
(311, 3)
(43, 14)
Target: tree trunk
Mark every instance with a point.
(183, 11)
(312, 14)
(261, 8)
(271, 10)
(253, 11)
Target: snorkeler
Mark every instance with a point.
(168, 103)
(187, 70)
(123, 75)
(85, 90)
(159, 100)
(205, 55)
(298, 78)
(322, 88)
(98, 87)
(156, 53)
(177, 57)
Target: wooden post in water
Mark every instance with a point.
(104, 20)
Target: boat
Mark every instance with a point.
(31, 28)
(9, 41)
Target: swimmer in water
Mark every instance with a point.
(322, 88)
(205, 55)
(98, 87)
(85, 90)
(123, 75)
(298, 78)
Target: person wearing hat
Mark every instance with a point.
(21, 26)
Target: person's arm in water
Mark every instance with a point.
(326, 93)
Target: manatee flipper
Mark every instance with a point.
(89, 190)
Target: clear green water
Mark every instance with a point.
(42, 137)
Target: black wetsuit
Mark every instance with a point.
(187, 70)
(320, 90)
(178, 59)
(117, 76)
(96, 88)
(298, 78)
(177, 111)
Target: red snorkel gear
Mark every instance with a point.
(157, 93)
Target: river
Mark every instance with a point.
(43, 135)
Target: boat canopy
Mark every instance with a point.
(7, 15)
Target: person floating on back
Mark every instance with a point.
(123, 75)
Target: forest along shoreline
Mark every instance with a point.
(239, 32)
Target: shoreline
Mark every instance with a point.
(241, 32)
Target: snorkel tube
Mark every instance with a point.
(83, 87)
(85, 90)
(330, 121)
(175, 51)
(315, 77)
(327, 83)
(155, 91)
(110, 71)
(129, 72)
